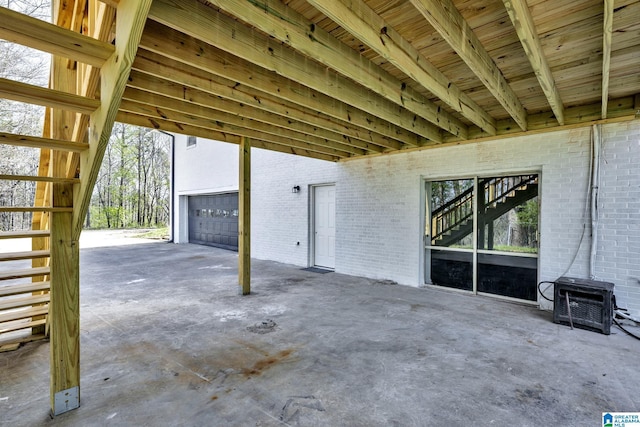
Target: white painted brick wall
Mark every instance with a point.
(378, 207)
(619, 213)
(280, 218)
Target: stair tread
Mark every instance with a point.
(33, 209)
(26, 272)
(37, 178)
(17, 302)
(14, 256)
(23, 234)
(16, 326)
(24, 313)
(12, 344)
(24, 288)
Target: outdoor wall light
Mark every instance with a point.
(295, 189)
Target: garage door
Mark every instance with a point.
(213, 220)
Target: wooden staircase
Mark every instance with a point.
(454, 220)
(93, 45)
(24, 306)
(80, 40)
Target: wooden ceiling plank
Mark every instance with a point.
(185, 129)
(170, 70)
(525, 28)
(162, 40)
(151, 104)
(173, 127)
(447, 20)
(357, 18)
(35, 33)
(197, 20)
(130, 19)
(248, 129)
(166, 94)
(38, 142)
(37, 95)
(607, 34)
(289, 27)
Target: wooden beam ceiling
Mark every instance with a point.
(606, 53)
(195, 19)
(187, 50)
(293, 29)
(157, 74)
(357, 18)
(346, 78)
(447, 20)
(525, 27)
(143, 89)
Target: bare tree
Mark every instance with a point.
(26, 65)
(133, 184)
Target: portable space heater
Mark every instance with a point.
(586, 304)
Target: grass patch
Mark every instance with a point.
(154, 233)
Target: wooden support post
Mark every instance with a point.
(64, 309)
(244, 218)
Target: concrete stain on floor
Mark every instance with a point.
(305, 349)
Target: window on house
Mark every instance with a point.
(481, 235)
(191, 141)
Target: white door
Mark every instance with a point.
(324, 226)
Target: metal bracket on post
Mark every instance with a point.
(66, 400)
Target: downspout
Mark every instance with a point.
(172, 173)
(595, 182)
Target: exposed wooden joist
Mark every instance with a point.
(130, 19)
(248, 129)
(607, 35)
(37, 142)
(25, 30)
(244, 217)
(620, 109)
(147, 89)
(170, 126)
(195, 19)
(360, 20)
(447, 20)
(293, 29)
(525, 27)
(165, 41)
(242, 96)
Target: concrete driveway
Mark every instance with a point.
(166, 340)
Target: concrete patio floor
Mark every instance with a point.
(166, 340)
